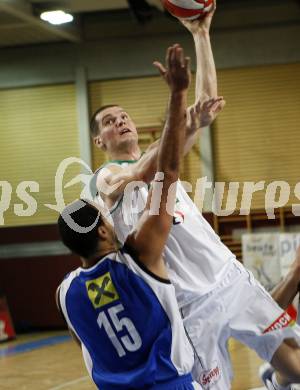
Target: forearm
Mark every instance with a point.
(190, 141)
(285, 292)
(206, 76)
(173, 138)
(147, 165)
(112, 181)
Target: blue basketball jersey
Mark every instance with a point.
(129, 325)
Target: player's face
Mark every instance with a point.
(116, 128)
(105, 222)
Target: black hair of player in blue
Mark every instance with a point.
(83, 244)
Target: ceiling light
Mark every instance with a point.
(56, 17)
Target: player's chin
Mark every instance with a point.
(130, 135)
(131, 140)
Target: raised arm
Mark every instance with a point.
(286, 290)
(149, 239)
(202, 113)
(206, 76)
(207, 104)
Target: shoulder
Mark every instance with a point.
(104, 178)
(63, 288)
(129, 255)
(107, 172)
(108, 168)
(67, 282)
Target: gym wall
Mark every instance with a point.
(38, 130)
(257, 136)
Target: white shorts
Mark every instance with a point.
(238, 307)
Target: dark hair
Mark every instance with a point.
(94, 125)
(84, 240)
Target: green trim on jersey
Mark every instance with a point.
(123, 161)
(119, 162)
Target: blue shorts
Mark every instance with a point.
(184, 382)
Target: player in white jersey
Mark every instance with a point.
(212, 290)
(120, 305)
(217, 296)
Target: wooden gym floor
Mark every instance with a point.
(50, 361)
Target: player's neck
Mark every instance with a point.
(127, 154)
(100, 254)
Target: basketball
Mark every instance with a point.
(188, 9)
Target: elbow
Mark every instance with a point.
(138, 174)
(170, 170)
(171, 176)
(172, 167)
(147, 175)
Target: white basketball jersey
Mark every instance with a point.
(196, 258)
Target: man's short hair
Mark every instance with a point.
(94, 125)
(84, 244)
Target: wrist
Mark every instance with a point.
(179, 94)
(293, 279)
(201, 33)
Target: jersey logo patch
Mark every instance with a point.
(101, 291)
(178, 218)
(209, 377)
(281, 322)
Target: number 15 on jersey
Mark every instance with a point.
(125, 343)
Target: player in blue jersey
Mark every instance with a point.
(120, 305)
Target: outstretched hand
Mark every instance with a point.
(203, 114)
(202, 23)
(176, 71)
